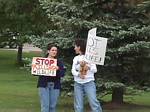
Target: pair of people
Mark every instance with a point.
(83, 72)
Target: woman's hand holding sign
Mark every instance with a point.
(57, 67)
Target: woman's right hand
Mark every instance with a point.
(82, 76)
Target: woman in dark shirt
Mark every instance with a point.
(49, 87)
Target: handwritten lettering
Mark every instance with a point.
(43, 61)
(93, 42)
(93, 58)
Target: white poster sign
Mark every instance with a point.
(95, 48)
(44, 66)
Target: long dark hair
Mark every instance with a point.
(82, 44)
(49, 46)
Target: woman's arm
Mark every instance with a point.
(75, 67)
(61, 70)
(92, 68)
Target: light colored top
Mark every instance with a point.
(76, 68)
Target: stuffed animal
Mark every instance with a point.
(83, 68)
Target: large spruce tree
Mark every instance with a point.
(126, 25)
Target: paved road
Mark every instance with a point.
(29, 47)
(26, 48)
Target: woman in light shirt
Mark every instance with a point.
(83, 73)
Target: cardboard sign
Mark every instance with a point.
(44, 66)
(95, 48)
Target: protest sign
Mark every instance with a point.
(44, 66)
(95, 48)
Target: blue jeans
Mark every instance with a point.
(48, 97)
(89, 90)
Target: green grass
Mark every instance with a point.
(18, 92)
(142, 99)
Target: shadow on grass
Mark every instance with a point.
(125, 107)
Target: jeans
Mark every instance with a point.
(48, 97)
(89, 90)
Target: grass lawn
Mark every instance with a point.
(18, 92)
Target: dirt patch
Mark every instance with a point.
(110, 106)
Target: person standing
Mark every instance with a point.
(84, 84)
(49, 87)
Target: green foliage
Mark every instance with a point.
(27, 63)
(22, 18)
(144, 7)
(135, 47)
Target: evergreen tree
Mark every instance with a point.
(126, 28)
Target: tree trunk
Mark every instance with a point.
(19, 55)
(117, 95)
